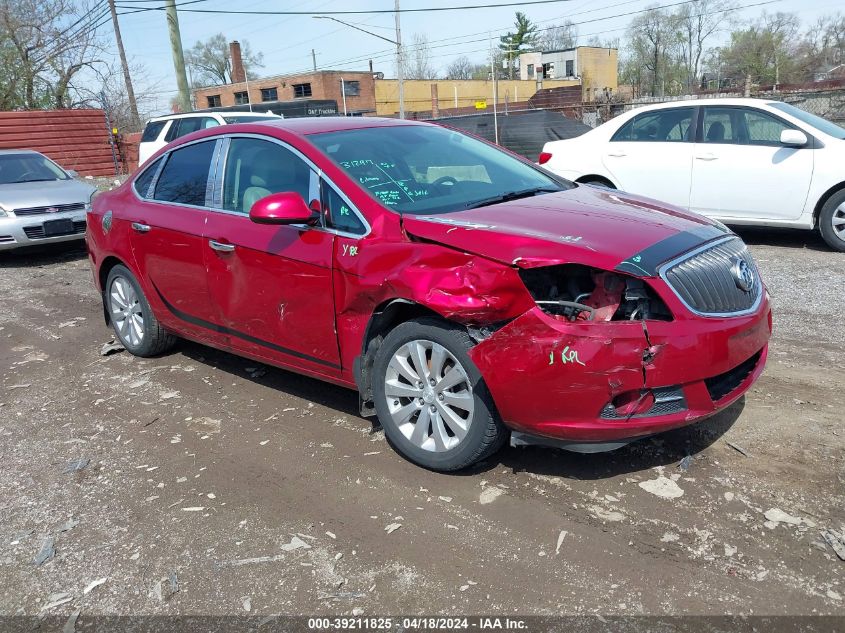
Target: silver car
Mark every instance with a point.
(40, 203)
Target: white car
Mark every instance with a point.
(740, 161)
(159, 131)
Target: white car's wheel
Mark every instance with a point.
(832, 221)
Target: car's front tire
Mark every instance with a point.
(832, 221)
(431, 399)
(134, 323)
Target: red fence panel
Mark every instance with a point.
(76, 139)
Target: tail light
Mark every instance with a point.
(544, 158)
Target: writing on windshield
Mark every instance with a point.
(429, 169)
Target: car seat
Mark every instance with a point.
(716, 132)
(272, 175)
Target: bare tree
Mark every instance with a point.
(460, 68)
(558, 36)
(417, 59)
(48, 43)
(105, 88)
(210, 61)
(695, 24)
(651, 37)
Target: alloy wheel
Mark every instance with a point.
(126, 312)
(838, 222)
(429, 395)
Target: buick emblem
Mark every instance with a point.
(743, 274)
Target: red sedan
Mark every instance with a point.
(466, 294)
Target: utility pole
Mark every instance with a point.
(495, 92)
(133, 105)
(399, 63)
(184, 99)
(314, 59)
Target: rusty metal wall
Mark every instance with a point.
(76, 139)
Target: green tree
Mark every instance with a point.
(765, 51)
(522, 39)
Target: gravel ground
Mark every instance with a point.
(202, 483)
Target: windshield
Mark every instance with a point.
(248, 119)
(429, 169)
(829, 128)
(29, 168)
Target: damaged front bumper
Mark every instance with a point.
(581, 382)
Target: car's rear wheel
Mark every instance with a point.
(133, 320)
(832, 221)
(431, 399)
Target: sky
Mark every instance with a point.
(286, 41)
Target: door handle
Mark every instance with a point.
(140, 228)
(617, 154)
(707, 157)
(221, 247)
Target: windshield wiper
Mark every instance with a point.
(511, 195)
(35, 180)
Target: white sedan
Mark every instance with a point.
(741, 161)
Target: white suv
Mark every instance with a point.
(741, 161)
(163, 129)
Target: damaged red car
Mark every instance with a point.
(469, 296)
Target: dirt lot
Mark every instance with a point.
(253, 490)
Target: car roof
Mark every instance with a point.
(318, 125)
(188, 115)
(718, 101)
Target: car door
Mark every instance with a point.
(271, 284)
(651, 154)
(166, 236)
(741, 171)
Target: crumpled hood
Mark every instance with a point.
(24, 195)
(588, 225)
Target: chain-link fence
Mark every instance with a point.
(525, 127)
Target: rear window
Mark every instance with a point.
(184, 178)
(142, 182)
(152, 131)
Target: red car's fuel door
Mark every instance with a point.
(271, 284)
(166, 236)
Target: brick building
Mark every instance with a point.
(358, 87)
(354, 88)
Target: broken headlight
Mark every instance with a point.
(582, 293)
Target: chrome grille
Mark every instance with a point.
(55, 208)
(705, 280)
(37, 232)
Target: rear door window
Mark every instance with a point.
(184, 179)
(143, 182)
(663, 126)
(184, 126)
(152, 131)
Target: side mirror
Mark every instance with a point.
(287, 207)
(793, 138)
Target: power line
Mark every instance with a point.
(386, 53)
(356, 12)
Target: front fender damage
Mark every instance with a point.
(539, 362)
